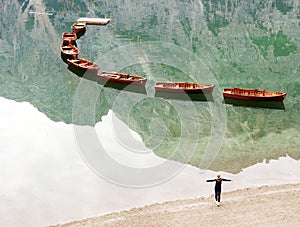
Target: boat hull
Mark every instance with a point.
(83, 66)
(253, 95)
(184, 91)
(122, 79)
(94, 21)
(69, 37)
(69, 51)
(78, 27)
(184, 88)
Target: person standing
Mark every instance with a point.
(218, 187)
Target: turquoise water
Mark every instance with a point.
(229, 43)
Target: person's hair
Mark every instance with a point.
(219, 175)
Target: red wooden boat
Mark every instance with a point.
(122, 78)
(69, 50)
(253, 94)
(78, 27)
(69, 37)
(184, 88)
(83, 65)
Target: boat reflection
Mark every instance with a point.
(123, 87)
(63, 57)
(89, 75)
(255, 104)
(189, 97)
(80, 33)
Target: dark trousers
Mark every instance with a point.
(218, 195)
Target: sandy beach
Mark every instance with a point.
(264, 206)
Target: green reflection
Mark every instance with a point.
(243, 43)
(280, 43)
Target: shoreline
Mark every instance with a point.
(264, 205)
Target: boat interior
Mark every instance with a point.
(182, 85)
(69, 35)
(252, 92)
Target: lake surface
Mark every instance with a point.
(236, 43)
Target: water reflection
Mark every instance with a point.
(81, 33)
(124, 87)
(63, 58)
(188, 97)
(255, 104)
(242, 43)
(85, 74)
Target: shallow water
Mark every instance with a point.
(45, 180)
(227, 43)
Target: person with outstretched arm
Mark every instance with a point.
(218, 187)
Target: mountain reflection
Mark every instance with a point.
(241, 43)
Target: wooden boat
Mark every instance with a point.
(94, 21)
(83, 65)
(78, 27)
(69, 37)
(122, 78)
(69, 50)
(184, 88)
(253, 94)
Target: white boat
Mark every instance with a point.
(94, 21)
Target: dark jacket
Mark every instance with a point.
(218, 183)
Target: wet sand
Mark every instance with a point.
(263, 206)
